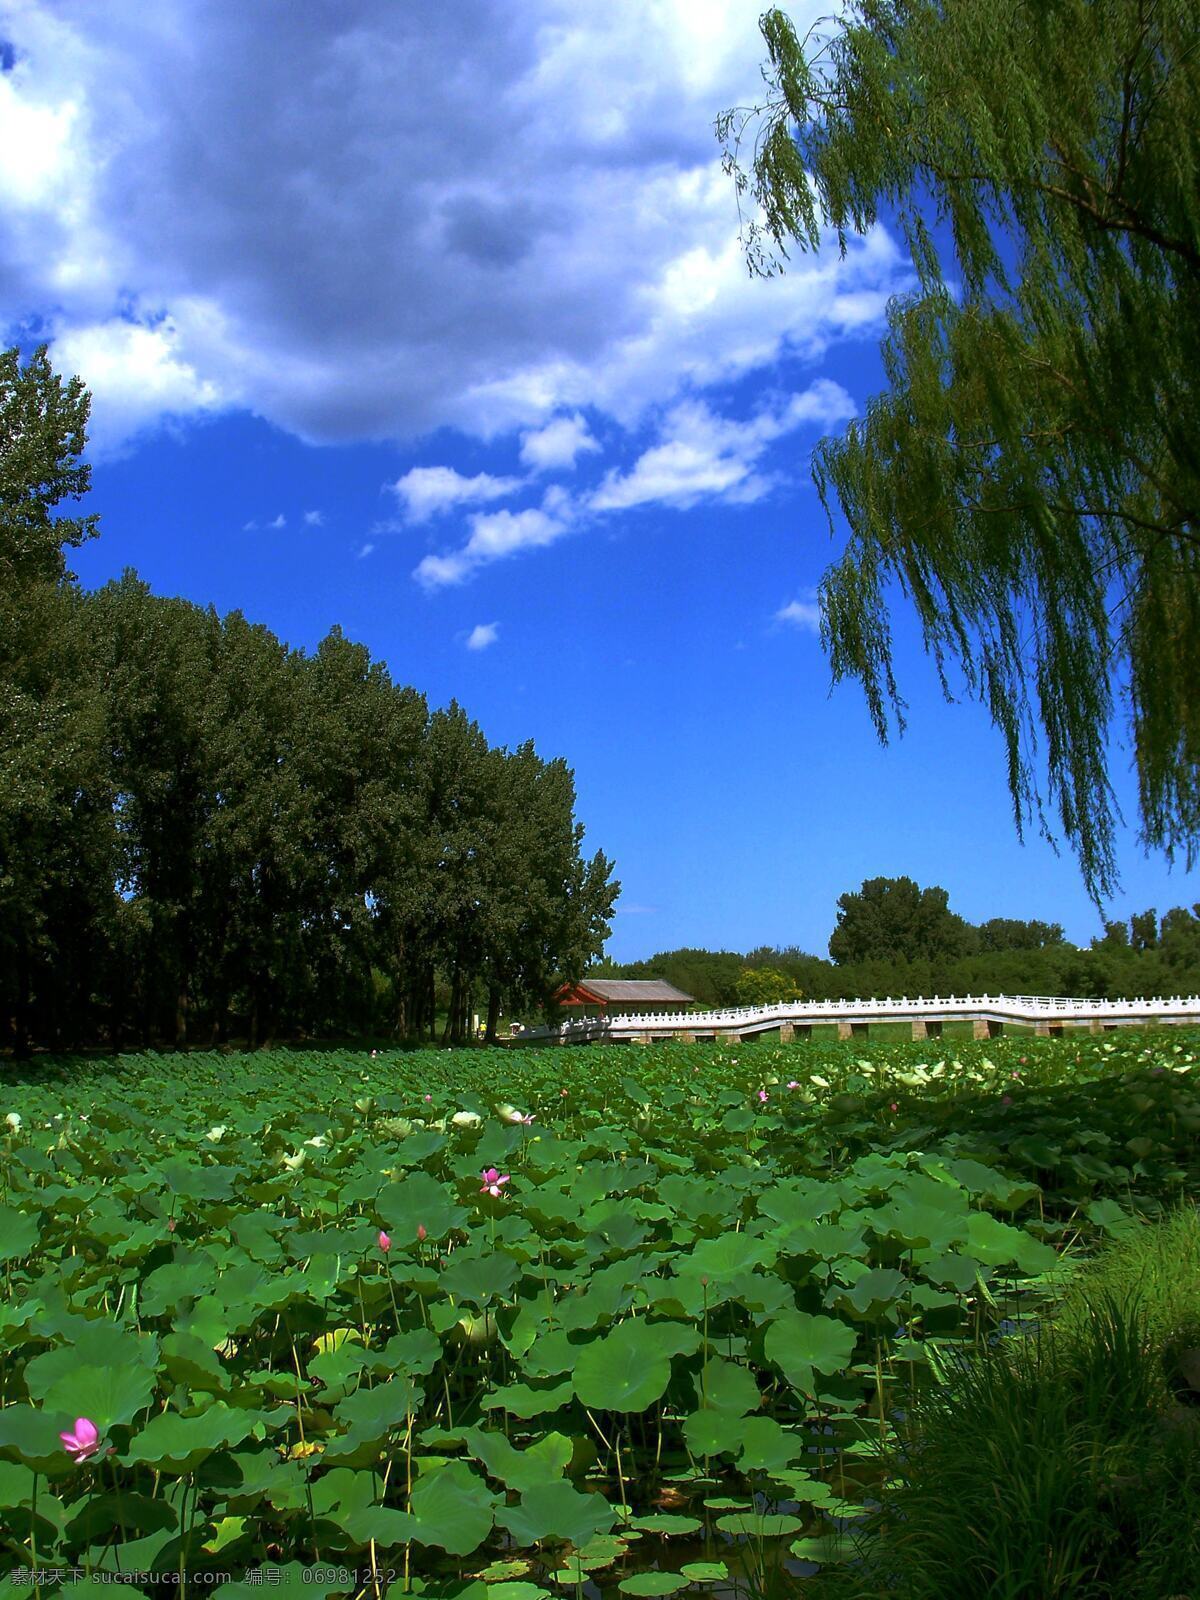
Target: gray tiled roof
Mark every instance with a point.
(639, 989)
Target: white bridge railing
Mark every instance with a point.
(999, 1008)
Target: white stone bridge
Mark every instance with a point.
(792, 1019)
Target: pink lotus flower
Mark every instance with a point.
(429, 1097)
(385, 1241)
(763, 1096)
(493, 1182)
(793, 1084)
(421, 1233)
(1006, 1100)
(85, 1440)
(170, 1224)
(895, 1107)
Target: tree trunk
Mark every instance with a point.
(181, 1024)
(448, 1032)
(493, 1015)
(21, 1015)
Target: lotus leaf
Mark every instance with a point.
(756, 1525)
(18, 1233)
(543, 1462)
(452, 1508)
(800, 1343)
(653, 1583)
(556, 1510)
(177, 1444)
(629, 1368)
(668, 1523)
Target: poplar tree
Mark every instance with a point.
(1030, 479)
(48, 718)
(205, 834)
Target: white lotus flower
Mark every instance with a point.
(14, 1120)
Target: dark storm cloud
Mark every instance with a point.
(368, 219)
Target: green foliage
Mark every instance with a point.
(204, 832)
(660, 1312)
(1155, 1266)
(710, 976)
(42, 428)
(53, 802)
(765, 986)
(892, 918)
(1046, 1466)
(897, 920)
(1010, 933)
(1029, 479)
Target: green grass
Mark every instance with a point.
(1062, 1462)
(1157, 1267)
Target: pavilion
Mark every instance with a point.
(602, 997)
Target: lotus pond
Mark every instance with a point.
(512, 1324)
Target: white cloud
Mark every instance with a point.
(803, 614)
(354, 261)
(698, 455)
(702, 456)
(437, 572)
(314, 519)
(367, 549)
(557, 444)
(426, 491)
(482, 635)
(136, 375)
(494, 535)
(273, 525)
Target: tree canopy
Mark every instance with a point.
(1031, 477)
(765, 986)
(902, 939)
(206, 834)
(891, 919)
(42, 429)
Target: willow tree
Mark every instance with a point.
(1031, 476)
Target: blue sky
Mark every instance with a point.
(432, 322)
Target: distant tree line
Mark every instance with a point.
(895, 938)
(206, 835)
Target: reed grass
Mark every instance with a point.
(1063, 1463)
